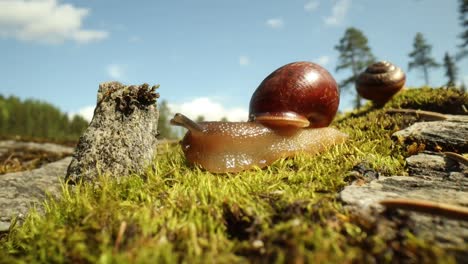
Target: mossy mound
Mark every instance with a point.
(443, 100)
(287, 212)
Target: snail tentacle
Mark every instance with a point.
(183, 121)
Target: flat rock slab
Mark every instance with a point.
(434, 178)
(450, 134)
(437, 165)
(20, 190)
(6, 145)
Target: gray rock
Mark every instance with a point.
(433, 178)
(5, 145)
(121, 138)
(457, 118)
(434, 164)
(21, 190)
(450, 134)
(368, 196)
(4, 226)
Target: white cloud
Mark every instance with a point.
(116, 71)
(134, 39)
(46, 21)
(339, 11)
(202, 106)
(322, 60)
(275, 23)
(311, 5)
(86, 112)
(209, 109)
(244, 60)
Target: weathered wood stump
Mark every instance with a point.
(121, 138)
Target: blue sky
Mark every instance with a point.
(207, 55)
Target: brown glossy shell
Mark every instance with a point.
(380, 81)
(301, 89)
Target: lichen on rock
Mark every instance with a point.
(121, 138)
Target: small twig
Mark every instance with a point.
(168, 173)
(457, 157)
(8, 158)
(427, 115)
(423, 206)
(118, 240)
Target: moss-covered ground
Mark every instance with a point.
(288, 212)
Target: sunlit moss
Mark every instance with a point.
(443, 100)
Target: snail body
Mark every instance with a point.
(380, 82)
(289, 114)
(236, 146)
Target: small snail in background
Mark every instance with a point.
(289, 114)
(380, 81)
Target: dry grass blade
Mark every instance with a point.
(457, 157)
(423, 206)
(421, 114)
(118, 240)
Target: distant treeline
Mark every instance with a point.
(165, 129)
(37, 119)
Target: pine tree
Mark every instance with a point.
(200, 118)
(32, 118)
(421, 56)
(164, 128)
(463, 17)
(450, 69)
(463, 10)
(77, 125)
(356, 55)
(3, 116)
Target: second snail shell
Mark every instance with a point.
(380, 81)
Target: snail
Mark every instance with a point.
(289, 113)
(380, 82)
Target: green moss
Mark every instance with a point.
(443, 100)
(175, 213)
